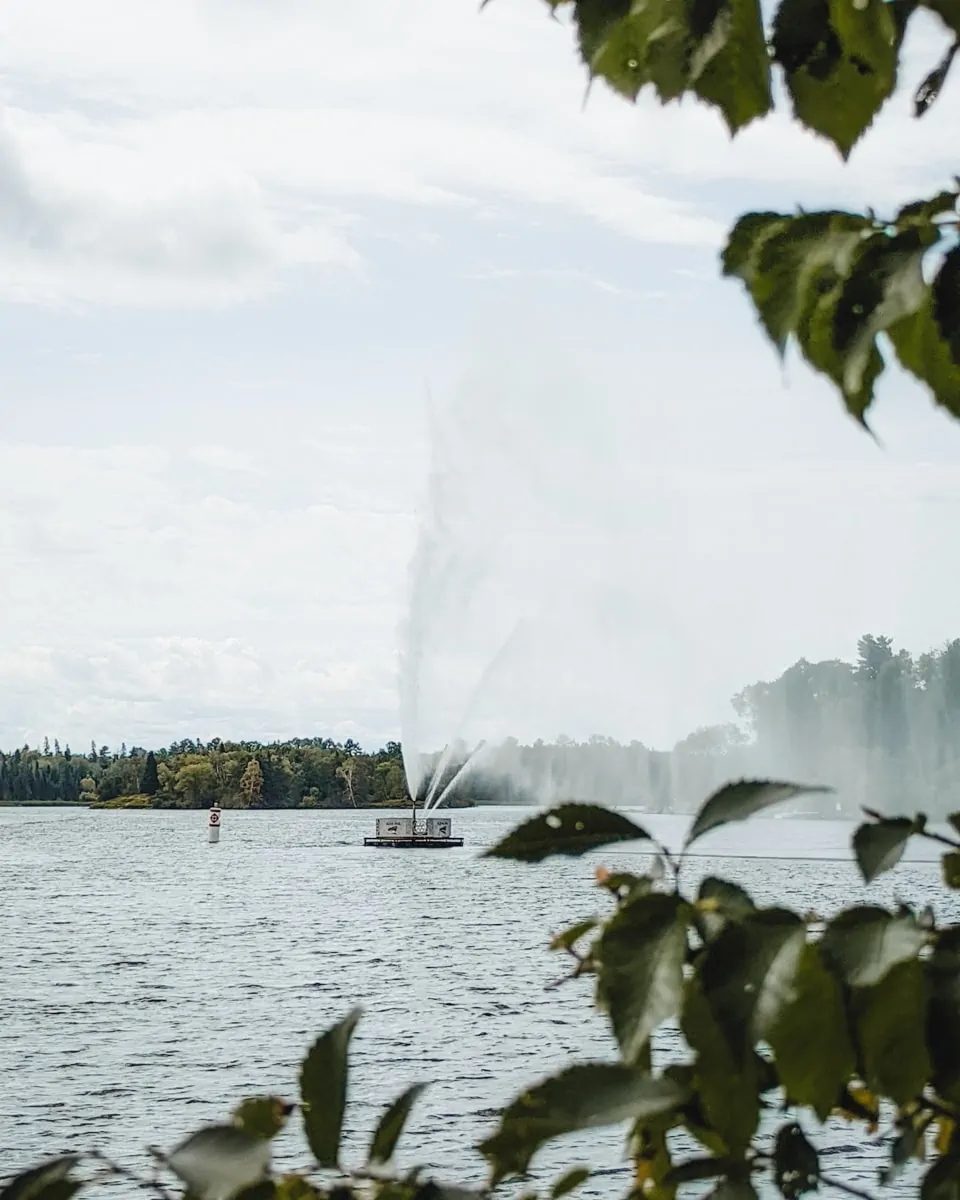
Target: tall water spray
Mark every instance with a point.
(579, 573)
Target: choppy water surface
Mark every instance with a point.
(148, 980)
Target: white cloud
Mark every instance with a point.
(194, 154)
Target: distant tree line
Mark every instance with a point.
(866, 726)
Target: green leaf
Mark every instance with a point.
(730, 66)
(323, 1089)
(946, 302)
(569, 1182)
(572, 829)
(942, 1181)
(879, 845)
(889, 1020)
(746, 240)
(569, 937)
(923, 352)
(810, 1041)
(738, 801)
(885, 285)
(49, 1181)
(727, 1078)
(737, 1188)
(943, 1014)
(648, 45)
(718, 902)
(840, 61)
(266, 1189)
(923, 211)
(747, 973)
(219, 1161)
(792, 265)
(585, 1096)
(262, 1116)
(639, 961)
(796, 1165)
(695, 1169)
(951, 869)
(954, 818)
(928, 92)
(392, 1124)
(862, 944)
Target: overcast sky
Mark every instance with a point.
(243, 240)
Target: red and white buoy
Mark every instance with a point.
(214, 824)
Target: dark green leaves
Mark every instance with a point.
(323, 1090)
(392, 1124)
(715, 49)
(863, 944)
(796, 1166)
(569, 1182)
(879, 845)
(889, 1020)
(738, 801)
(582, 1097)
(639, 961)
(814, 1053)
(946, 302)
(950, 864)
(50, 1181)
(262, 1116)
(942, 1181)
(840, 61)
(572, 829)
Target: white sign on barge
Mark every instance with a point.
(407, 833)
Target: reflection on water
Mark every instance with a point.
(149, 980)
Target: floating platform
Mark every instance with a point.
(406, 833)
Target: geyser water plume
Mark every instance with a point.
(578, 572)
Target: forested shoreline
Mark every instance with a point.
(874, 727)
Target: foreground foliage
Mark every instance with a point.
(785, 1022)
(832, 282)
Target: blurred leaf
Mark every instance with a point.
(323, 1089)
(951, 869)
(946, 1129)
(646, 44)
(266, 1189)
(889, 1021)
(946, 302)
(954, 820)
(747, 973)
(943, 1014)
(572, 829)
(928, 91)
(718, 902)
(623, 883)
(295, 1187)
(262, 1116)
(581, 1097)
(569, 1182)
(746, 240)
(885, 285)
(639, 961)
(738, 801)
(730, 66)
(860, 1104)
(793, 264)
(942, 1181)
(813, 1050)
(219, 1161)
(840, 62)
(733, 1189)
(695, 1169)
(569, 937)
(923, 352)
(49, 1181)
(727, 1079)
(923, 211)
(392, 1125)
(948, 11)
(796, 1166)
(879, 845)
(862, 944)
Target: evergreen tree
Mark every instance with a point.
(150, 779)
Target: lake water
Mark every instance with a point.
(149, 980)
